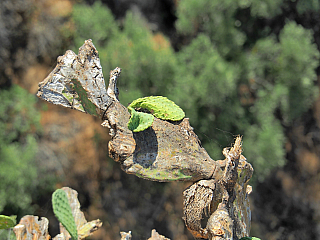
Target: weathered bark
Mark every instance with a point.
(31, 227)
(166, 151)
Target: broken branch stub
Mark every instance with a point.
(225, 200)
(166, 151)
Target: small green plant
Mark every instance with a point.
(158, 106)
(63, 212)
(7, 222)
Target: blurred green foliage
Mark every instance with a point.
(305, 6)
(224, 77)
(272, 79)
(18, 122)
(7, 234)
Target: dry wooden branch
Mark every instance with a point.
(166, 151)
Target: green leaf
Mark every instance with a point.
(7, 222)
(160, 107)
(139, 121)
(63, 212)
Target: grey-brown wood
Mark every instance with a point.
(166, 151)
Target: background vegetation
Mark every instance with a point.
(227, 81)
(236, 67)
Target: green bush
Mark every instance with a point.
(283, 75)
(256, 88)
(18, 122)
(215, 19)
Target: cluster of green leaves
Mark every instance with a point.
(159, 106)
(224, 77)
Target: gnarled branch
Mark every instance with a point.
(166, 151)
